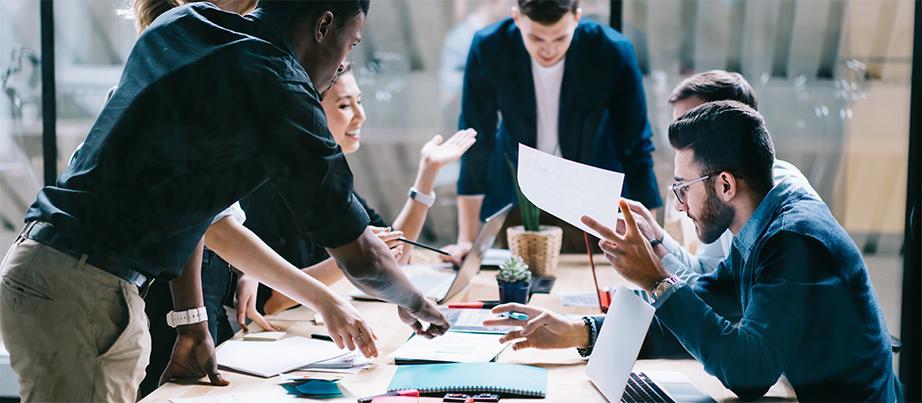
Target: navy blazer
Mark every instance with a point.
(603, 112)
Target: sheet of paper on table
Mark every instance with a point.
(569, 190)
(351, 363)
(267, 359)
(450, 347)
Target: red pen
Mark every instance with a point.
(474, 305)
(406, 393)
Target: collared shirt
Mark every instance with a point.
(210, 106)
(688, 266)
(793, 298)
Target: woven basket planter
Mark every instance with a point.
(540, 250)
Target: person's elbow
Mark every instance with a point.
(749, 393)
(361, 258)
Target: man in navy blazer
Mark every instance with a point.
(548, 80)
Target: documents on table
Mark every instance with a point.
(451, 347)
(569, 190)
(267, 359)
(351, 363)
(589, 299)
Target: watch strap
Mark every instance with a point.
(187, 317)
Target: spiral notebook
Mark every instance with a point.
(509, 380)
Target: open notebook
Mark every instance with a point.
(509, 380)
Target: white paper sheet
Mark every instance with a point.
(569, 190)
(351, 363)
(451, 347)
(267, 359)
(590, 300)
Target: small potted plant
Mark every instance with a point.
(514, 280)
(539, 245)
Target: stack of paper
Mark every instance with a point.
(351, 363)
(267, 359)
(451, 347)
(471, 321)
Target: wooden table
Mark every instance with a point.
(567, 380)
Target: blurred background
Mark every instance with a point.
(833, 79)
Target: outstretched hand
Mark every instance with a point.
(544, 329)
(439, 152)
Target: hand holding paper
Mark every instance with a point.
(568, 190)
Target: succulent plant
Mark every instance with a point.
(514, 270)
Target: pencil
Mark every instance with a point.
(424, 246)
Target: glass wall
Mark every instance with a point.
(20, 112)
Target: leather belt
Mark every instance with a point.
(46, 234)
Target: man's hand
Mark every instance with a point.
(193, 356)
(438, 152)
(247, 289)
(347, 327)
(543, 330)
(457, 251)
(646, 222)
(428, 313)
(631, 253)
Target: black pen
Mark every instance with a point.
(424, 246)
(319, 336)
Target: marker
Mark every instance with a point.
(407, 393)
(474, 305)
(424, 246)
(517, 316)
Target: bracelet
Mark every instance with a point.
(593, 333)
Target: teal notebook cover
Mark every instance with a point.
(504, 379)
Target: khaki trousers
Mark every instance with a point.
(75, 333)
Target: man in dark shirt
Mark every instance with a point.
(552, 80)
(211, 105)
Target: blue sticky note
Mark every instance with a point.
(318, 388)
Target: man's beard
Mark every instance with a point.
(715, 218)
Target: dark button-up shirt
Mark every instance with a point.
(794, 298)
(210, 106)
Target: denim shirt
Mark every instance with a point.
(793, 298)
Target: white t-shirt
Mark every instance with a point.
(547, 99)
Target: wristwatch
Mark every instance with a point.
(660, 287)
(426, 199)
(192, 316)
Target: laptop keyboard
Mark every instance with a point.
(641, 388)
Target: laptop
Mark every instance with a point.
(616, 350)
(442, 282)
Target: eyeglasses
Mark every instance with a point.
(681, 188)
